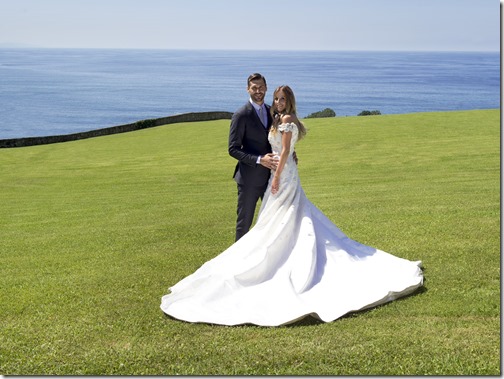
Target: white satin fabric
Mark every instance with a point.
(294, 262)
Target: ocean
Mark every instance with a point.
(61, 91)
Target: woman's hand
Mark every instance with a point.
(275, 185)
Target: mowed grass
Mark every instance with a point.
(93, 233)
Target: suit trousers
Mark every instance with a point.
(247, 201)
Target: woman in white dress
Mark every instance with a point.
(294, 262)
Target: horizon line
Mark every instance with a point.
(21, 47)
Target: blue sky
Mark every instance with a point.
(436, 25)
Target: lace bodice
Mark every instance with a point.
(289, 178)
(275, 139)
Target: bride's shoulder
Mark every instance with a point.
(287, 123)
(287, 119)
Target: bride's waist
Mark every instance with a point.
(290, 157)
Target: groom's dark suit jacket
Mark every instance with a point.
(248, 139)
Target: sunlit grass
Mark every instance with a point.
(95, 231)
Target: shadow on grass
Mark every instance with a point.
(310, 320)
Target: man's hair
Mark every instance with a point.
(255, 76)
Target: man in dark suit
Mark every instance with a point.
(248, 143)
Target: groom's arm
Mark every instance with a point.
(236, 136)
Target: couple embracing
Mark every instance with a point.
(249, 144)
(294, 262)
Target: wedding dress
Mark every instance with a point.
(294, 262)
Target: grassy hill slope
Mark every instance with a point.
(94, 232)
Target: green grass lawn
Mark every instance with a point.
(93, 233)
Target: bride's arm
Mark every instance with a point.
(286, 142)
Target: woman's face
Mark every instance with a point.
(280, 101)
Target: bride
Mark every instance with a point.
(294, 262)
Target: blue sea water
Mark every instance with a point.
(61, 91)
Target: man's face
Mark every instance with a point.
(257, 91)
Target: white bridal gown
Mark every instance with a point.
(294, 262)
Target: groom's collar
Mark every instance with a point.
(257, 106)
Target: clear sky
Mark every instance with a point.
(450, 25)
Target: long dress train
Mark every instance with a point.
(294, 262)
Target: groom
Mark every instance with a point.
(248, 143)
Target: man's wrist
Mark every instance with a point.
(259, 159)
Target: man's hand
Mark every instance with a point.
(270, 161)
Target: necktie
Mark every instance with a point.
(262, 116)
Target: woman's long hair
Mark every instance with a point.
(290, 108)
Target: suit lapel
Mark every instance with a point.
(270, 119)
